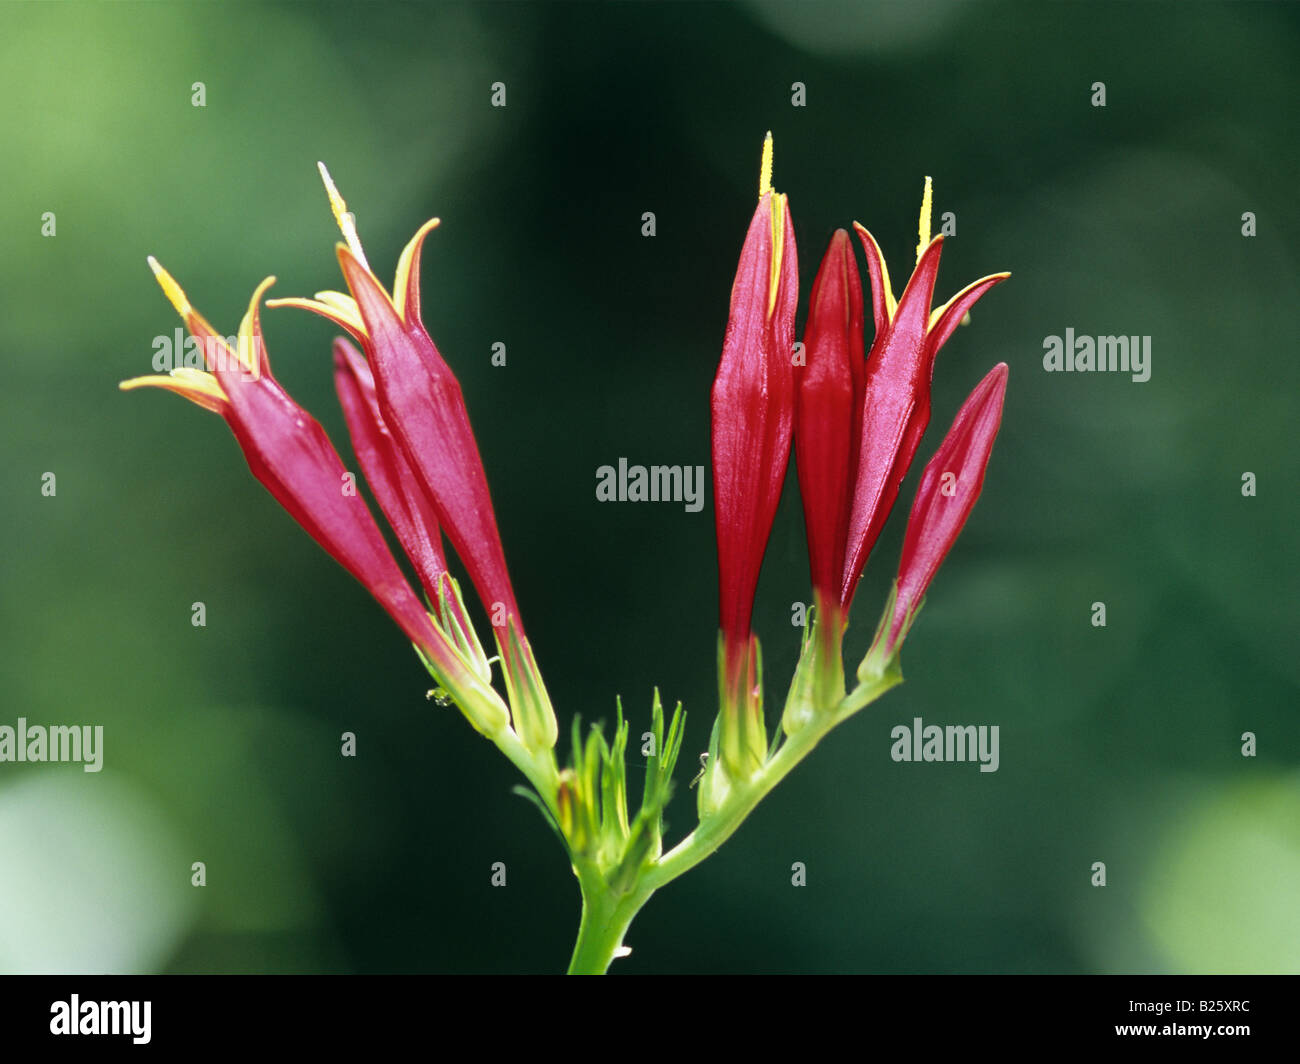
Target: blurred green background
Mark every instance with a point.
(1119, 744)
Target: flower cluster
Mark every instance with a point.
(854, 421)
(411, 436)
(852, 416)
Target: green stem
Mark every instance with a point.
(740, 801)
(605, 920)
(539, 769)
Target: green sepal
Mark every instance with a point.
(668, 746)
(653, 764)
(800, 703)
(613, 799)
(645, 837)
(818, 683)
(530, 705)
(878, 662)
(593, 763)
(659, 770)
(575, 741)
(744, 732)
(456, 623)
(713, 781)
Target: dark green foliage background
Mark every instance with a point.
(1119, 744)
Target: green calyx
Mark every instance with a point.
(742, 733)
(530, 705)
(882, 659)
(480, 704)
(818, 681)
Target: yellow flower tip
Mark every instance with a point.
(195, 385)
(938, 312)
(765, 169)
(344, 218)
(339, 300)
(406, 264)
(174, 293)
(247, 347)
(342, 310)
(923, 227)
(260, 290)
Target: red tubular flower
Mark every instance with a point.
(896, 400)
(421, 404)
(949, 487)
(828, 421)
(752, 417)
(386, 470)
(288, 451)
(397, 489)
